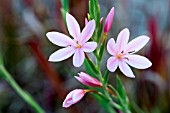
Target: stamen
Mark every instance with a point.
(122, 52)
(131, 52)
(78, 46)
(126, 58)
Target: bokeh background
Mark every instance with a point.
(25, 49)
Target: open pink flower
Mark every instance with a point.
(122, 52)
(74, 97)
(109, 21)
(88, 80)
(76, 46)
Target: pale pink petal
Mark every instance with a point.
(122, 40)
(81, 80)
(109, 21)
(125, 69)
(85, 76)
(112, 64)
(59, 39)
(62, 54)
(86, 21)
(78, 58)
(78, 95)
(73, 26)
(111, 47)
(89, 46)
(138, 61)
(68, 100)
(88, 83)
(136, 44)
(87, 31)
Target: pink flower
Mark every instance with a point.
(76, 46)
(122, 52)
(88, 80)
(109, 21)
(74, 97)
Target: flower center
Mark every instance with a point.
(119, 56)
(78, 46)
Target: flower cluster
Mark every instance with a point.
(122, 52)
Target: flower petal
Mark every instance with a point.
(73, 26)
(87, 31)
(111, 47)
(122, 40)
(89, 46)
(59, 39)
(85, 76)
(81, 80)
(112, 64)
(78, 95)
(125, 69)
(86, 21)
(136, 44)
(62, 54)
(78, 58)
(138, 61)
(68, 100)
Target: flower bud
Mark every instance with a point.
(88, 80)
(74, 97)
(109, 21)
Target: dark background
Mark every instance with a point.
(25, 49)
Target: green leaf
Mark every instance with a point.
(99, 32)
(63, 12)
(91, 9)
(102, 47)
(121, 89)
(64, 9)
(104, 103)
(106, 77)
(1, 60)
(88, 68)
(122, 95)
(23, 94)
(92, 66)
(65, 5)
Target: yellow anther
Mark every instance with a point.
(78, 46)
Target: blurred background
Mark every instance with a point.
(25, 49)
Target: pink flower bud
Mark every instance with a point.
(74, 97)
(88, 80)
(109, 20)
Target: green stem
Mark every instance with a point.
(115, 105)
(106, 93)
(24, 95)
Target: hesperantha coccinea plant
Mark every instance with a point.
(93, 39)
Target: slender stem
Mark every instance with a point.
(105, 89)
(24, 95)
